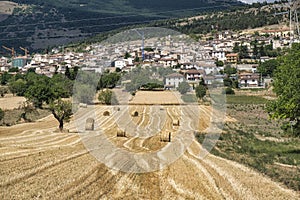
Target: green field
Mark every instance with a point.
(235, 99)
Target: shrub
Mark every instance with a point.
(229, 90)
(1, 114)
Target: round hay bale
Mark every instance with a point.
(121, 133)
(175, 122)
(135, 113)
(117, 109)
(82, 105)
(89, 124)
(106, 113)
(165, 136)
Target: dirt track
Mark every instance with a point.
(37, 162)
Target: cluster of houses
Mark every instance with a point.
(191, 62)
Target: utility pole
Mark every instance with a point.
(292, 6)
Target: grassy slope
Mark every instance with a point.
(259, 142)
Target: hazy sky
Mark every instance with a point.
(252, 1)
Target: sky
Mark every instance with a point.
(253, 1)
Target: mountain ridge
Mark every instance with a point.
(40, 25)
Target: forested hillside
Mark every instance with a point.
(256, 15)
(41, 24)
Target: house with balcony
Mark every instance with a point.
(172, 81)
(249, 80)
(193, 75)
(232, 58)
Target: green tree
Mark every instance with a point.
(236, 47)
(136, 59)
(287, 87)
(127, 55)
(183, 87)
(68, 73)
(5, 78)
(39, 90)
(229, 90)
(219, 63)
(61, 86)
(230, 70)
(200, 91)
(227, 82)
(17, 87)
(109, 80)
(62, 111)
(74, 72)
(268, 67)
(107, 97)
(42, 89)
(13, 69)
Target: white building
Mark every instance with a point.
(173, 80)
(119, 63)
(218, 55)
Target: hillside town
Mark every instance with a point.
(150, 99)
(205, 58)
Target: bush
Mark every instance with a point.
(1, 114)
(3, 91)
(107, 97)
(229, 90)
(183, 87)
(200, 91)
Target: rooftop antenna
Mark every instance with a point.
(143, 41)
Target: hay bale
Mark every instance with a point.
(135, 114)
(82, 105)
(106, 113)
(121, 133)
(175, 122)
(165, 136)
(89, 124)
(117, 109)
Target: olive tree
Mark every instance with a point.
(62, 111)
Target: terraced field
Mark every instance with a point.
(38, 162)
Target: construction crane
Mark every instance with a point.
(143, 41)
(12, 50)
(26, 51)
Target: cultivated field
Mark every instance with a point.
(38, 162)
(157, 97)
(10, 102)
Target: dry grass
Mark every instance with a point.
(156, 97)
(10, 102)
(36, 162)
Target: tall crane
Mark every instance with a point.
(26, 51)
(12, 50)
(143, 41)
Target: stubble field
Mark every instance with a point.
(38, 162)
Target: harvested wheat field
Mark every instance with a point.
(39, 163)
(10, 102)
(157, 97)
